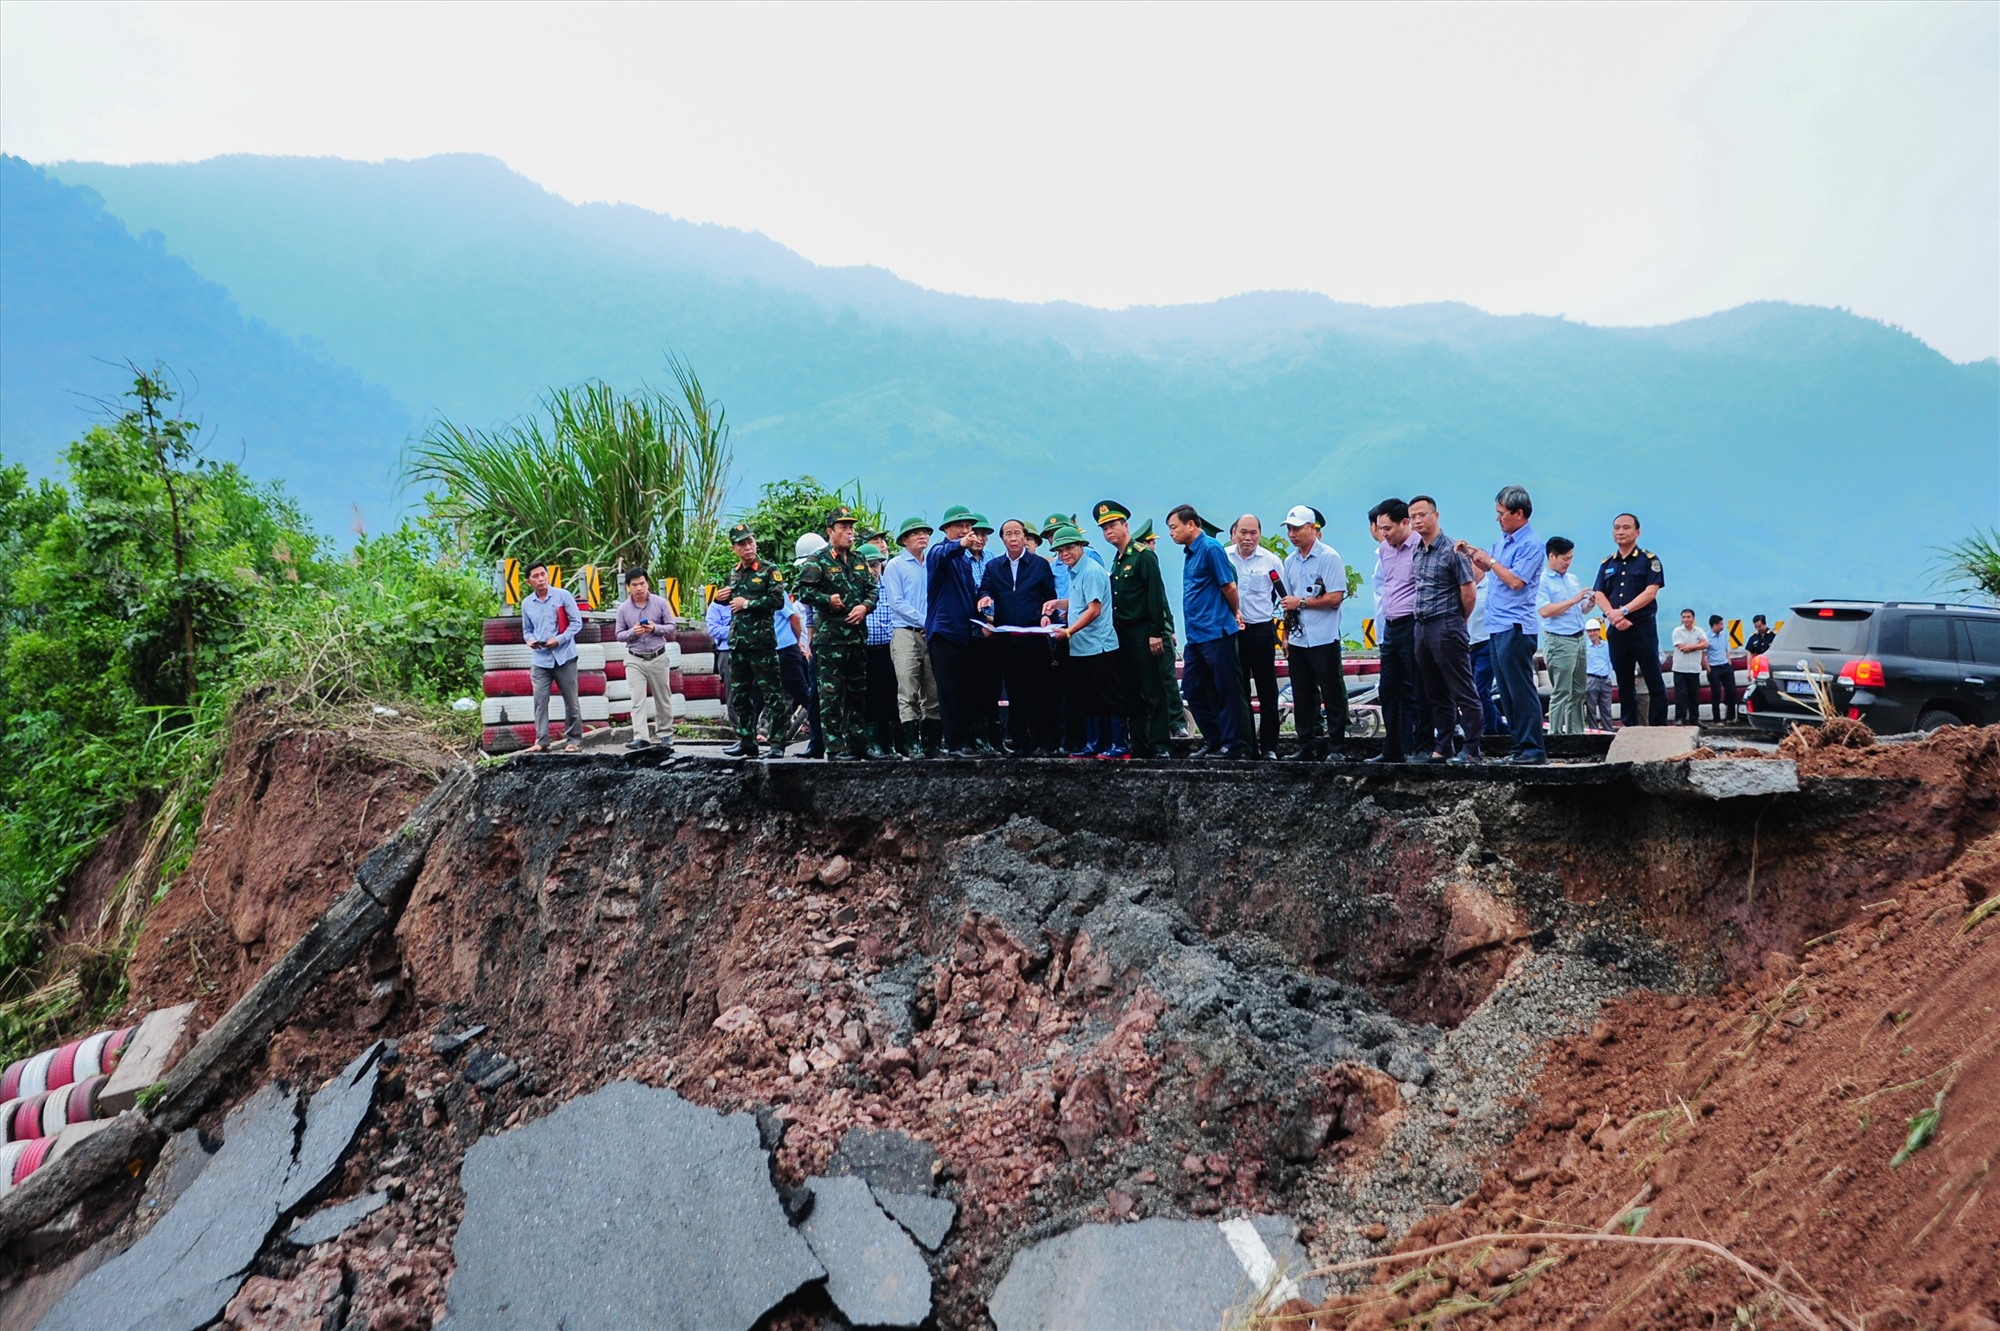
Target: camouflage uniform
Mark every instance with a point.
(840, 649)
(753, 649)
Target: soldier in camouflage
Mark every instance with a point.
(756, 594)
(837, 584)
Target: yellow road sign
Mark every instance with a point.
(1735, 633)
(510, 581)
(1368, 633)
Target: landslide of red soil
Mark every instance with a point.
(296, 810)
(1764, 1119)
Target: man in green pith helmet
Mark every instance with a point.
(756, 591)
(836, 583)
(1139, 613)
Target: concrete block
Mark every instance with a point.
(154, 1047)
(1652, 744)
(1718, 778)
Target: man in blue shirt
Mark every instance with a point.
(1721, 675)
(550, 618)
(793, 635)
(1514, 575)
(951, 589)
(1095, 682)
(905, 595)
(1208, 612)
(1559, 601)
(1601, 679)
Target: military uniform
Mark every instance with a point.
(1634, 649)
(753, 646)
(840, 649)
(1139, 613)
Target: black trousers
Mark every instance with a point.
(1687, 697)
(1722, 690)
(1028, 672)
(1257, 662)
(803, 689)
(1399, 687)
(1444, 656)
(1638, 649)
(958, 689)
(882, 691)
(1318, 683)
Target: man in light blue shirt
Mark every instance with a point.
(1600, 680)
(1315, 580)
(550, 619)
(1514, 574)
(906, 596)
(793, 626)
(1094, 683)
(1208, 612)
(1559, 601)
(1721, 675)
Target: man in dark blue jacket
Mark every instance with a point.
(951, 568)
(1013, 590)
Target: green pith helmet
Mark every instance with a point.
(956, 513)
(911, 525)
(1067, 535)
(872, 553)
(1054, 522)
(979, 523)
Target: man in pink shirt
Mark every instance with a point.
(1395, 584)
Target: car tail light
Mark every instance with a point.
(1854, 713)
(1826, 614)
(1863, 674)
(1760, 666)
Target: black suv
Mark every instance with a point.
(1897, 665)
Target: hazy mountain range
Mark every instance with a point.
(328, 309)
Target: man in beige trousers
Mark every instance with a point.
(645, 626)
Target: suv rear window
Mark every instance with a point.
(1985, 635)
(1845, 632)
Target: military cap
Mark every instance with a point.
(840, 513)
(911, 525)
(1109, 510)
(956, 513)
(741, 532)
(872, 553)
(979, 522)
(1067, 535)
(1143, 532)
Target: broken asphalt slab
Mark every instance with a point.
(874, 1273)
(887, 1159)
(1168, 1275)
(333, 1221)
(626, 1207)
(185, 1269)
(927, 1218)
(1718, 778)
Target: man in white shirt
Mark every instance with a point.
(1315, 585)
(1559, 604)
(1257, 613)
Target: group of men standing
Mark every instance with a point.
(1084, 652)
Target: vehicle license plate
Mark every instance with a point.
(1798, 686)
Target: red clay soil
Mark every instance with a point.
(1764, 1120)
(295, 812)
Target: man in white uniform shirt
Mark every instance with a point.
(1257, 612)
(1315, 585)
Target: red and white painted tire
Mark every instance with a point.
(703, 687)
(10, 1159)
(35, 1076)
(614, 670)
(698, 663)
(675, 653)
(521, 684)
(705, 709)
(614, 650)
(31, 1159)
(521, 711)
(523, 658)
(505, 630)
(696, 640)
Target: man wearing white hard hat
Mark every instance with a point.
(1598, 678)
(1315, 580)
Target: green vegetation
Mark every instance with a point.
(787, 510)
(626, 481)
(139, 599)
(1973, 565)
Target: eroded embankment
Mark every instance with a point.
(1099, 994)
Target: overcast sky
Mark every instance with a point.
(1614, 164)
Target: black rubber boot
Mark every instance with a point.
(876, 752)
(931, 733)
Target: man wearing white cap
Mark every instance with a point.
(1598, 679)
(1315, 584)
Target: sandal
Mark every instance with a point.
(572, 747)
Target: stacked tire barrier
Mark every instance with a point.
(48, 1092)
(508, 708)
(707, 692)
